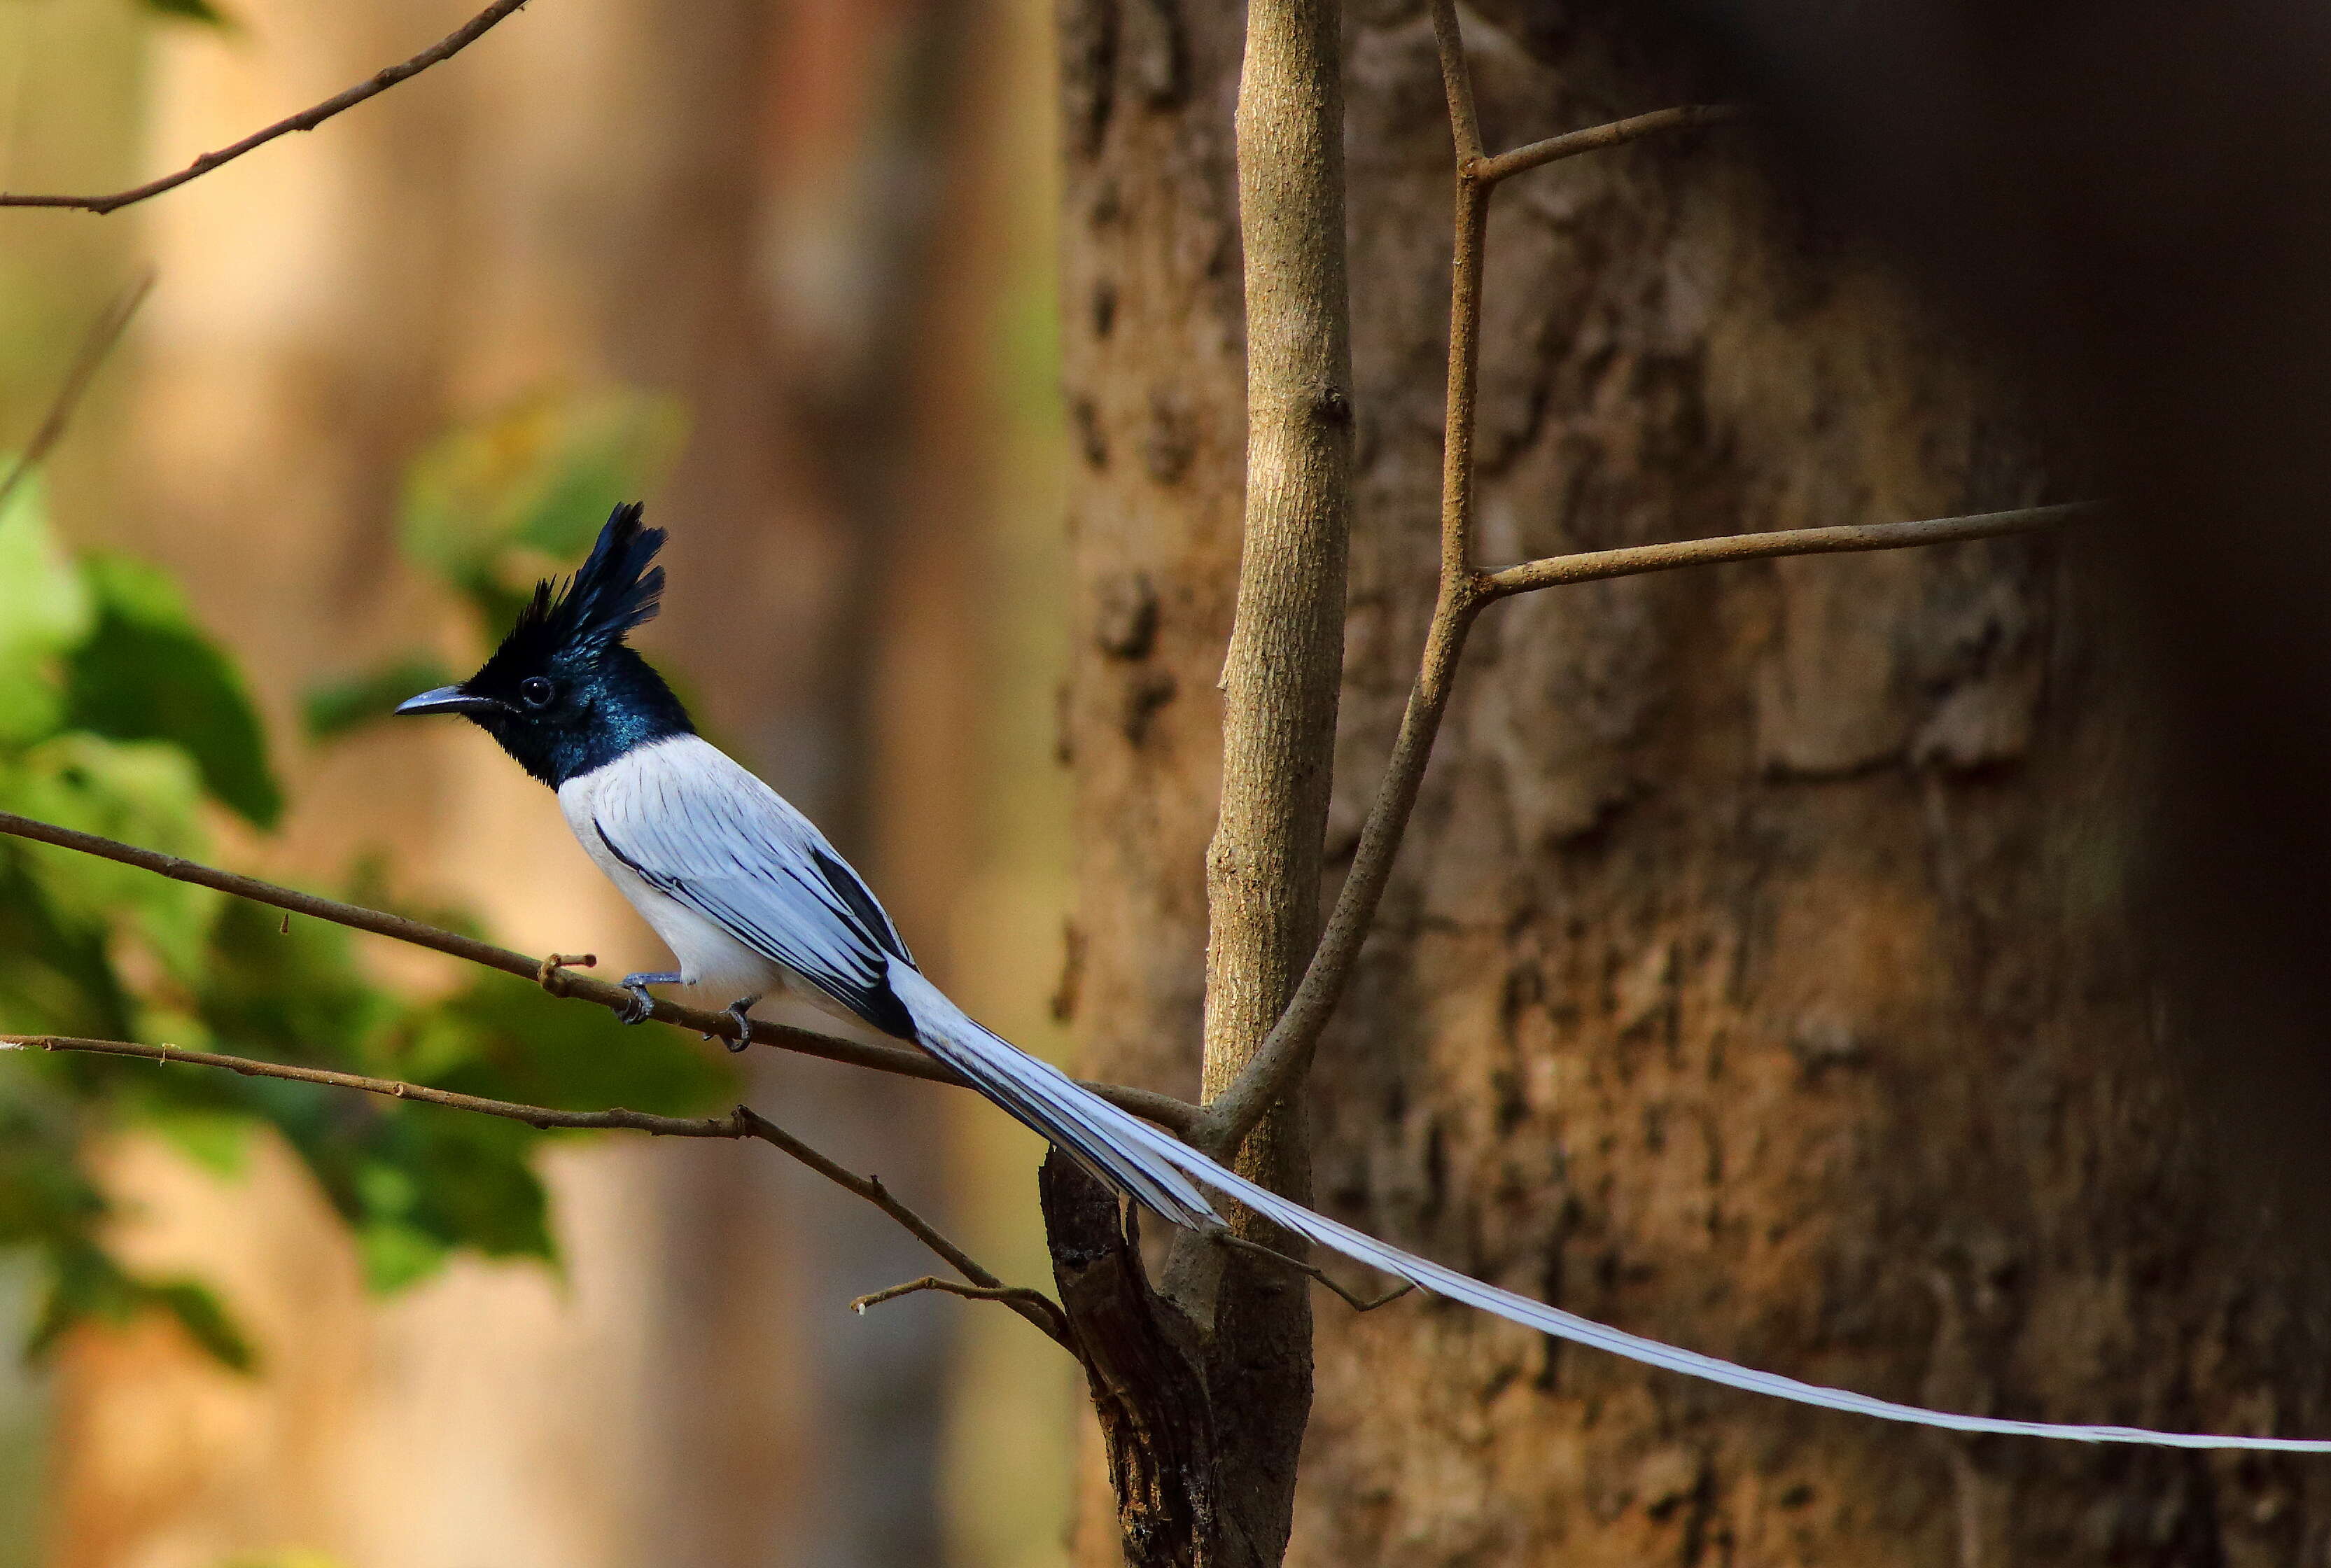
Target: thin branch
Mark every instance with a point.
(1594, 139)
(1595, 564)
(378, 83)
(1056, 1322)
(95, 345)
(1457, 81)
(1472, 205)
(744, 1122)
(1356, 1303)
(1163, 1110)
(1285, 1053)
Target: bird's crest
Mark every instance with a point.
(615, 591)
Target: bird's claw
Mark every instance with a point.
(642, 1003)
(739, 1009)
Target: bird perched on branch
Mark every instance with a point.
(758, 908)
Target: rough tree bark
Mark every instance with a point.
(1762, 971)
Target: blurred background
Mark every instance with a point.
(1771, 966)
(785, 270)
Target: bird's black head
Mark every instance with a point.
(563, 694)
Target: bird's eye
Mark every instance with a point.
(537, 691)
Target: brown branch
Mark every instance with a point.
(95, 345)
(1163, 1109)
(1356, 1303)
(744, 1122)
(1275, 1067)
(1456, 81)
(1226, 1118)
(378, 83)
(1595, 564)
(1056, 1322)
(1594, 139)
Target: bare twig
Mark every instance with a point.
(1594, 139)
(95, 345)
(744, 1122)
(1356, 1303)
(1226, 1116)
(1163, 1109)
(871, 1188)
(1056, 1322)
(378, 83)
(1595, 565)
(550, 973)
(1456, 81)
(1275, 1067)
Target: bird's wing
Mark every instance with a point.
(717, 840)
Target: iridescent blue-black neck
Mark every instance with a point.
(606, 706)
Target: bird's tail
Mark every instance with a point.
(1165, 1175)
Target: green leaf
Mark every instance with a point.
(55, 974)
(146, 793)
(503, 1039)
(429, 1183)
(88, 1285)
(201, 11)
(198, 1312)
(290, 991)
(496, 503)
(148, 672)
(217, 1141)
(45, 610)
(331, 709)
(395, 1255)
(44, 1195)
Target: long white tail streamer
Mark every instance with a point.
(1166, 1174)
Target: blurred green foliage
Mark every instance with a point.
(201, 11)
(118, 717)
(498, 504)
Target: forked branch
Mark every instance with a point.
(1594, 139)
(1465, 590)
(1055, 1323)
(744, 1122)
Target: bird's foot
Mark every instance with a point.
(738, 1010)
(642, 1003)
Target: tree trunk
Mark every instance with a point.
(1762, 971)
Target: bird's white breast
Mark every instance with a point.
(663, 777)
(681, 775)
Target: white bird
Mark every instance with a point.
(755, 905)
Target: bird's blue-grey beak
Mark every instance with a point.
(448, 700)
